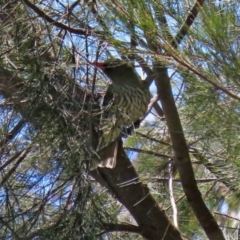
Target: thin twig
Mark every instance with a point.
(147, 152)
(173, 203)
(227, 216)
(12, 134)
(60, 25)
(153, 139)
(16, 164)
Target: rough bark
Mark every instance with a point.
(182, 157)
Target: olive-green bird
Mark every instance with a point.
(125, 102)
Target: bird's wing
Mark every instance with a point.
(108, 132)
(108, 97)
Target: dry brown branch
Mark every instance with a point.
(42, 14)
(187, 24)
(182, 158)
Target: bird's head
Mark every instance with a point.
(119, 71)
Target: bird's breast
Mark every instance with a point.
(132, 103)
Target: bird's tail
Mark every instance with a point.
(106, 157)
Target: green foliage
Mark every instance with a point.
(46, 190)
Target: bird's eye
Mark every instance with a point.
(110, 68)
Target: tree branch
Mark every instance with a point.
(22, 155)
(172, 200)
(187, 65)
(121, 228)
(182, 157)
(12, 134)
(148, 152)
(136, 197)
(42, 14)
(187, 24)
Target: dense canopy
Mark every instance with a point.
(177, 173)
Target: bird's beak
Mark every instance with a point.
(98, 64)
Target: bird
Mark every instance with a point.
(125, 102)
